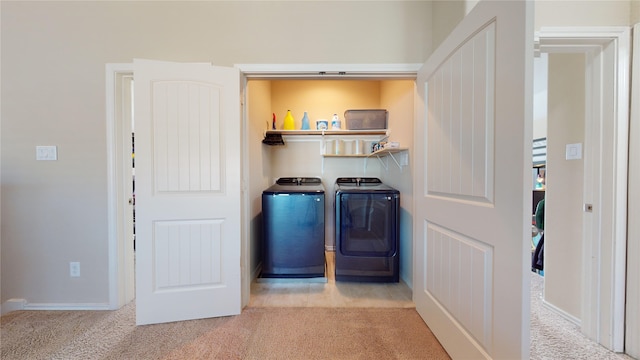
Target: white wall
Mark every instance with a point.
(53, 93)
(565, 178)
(540, 95)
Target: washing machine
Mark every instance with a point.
(367, 214)
(293, 229)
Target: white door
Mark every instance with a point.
(473, 164)
(187, 119)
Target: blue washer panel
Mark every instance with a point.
(293, 230)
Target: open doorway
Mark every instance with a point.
(557, 224)
(586, 159)
(121, 184)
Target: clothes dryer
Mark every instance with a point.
(367, 230)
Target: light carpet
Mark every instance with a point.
(258, 333)
(267, 333)
(556, 338)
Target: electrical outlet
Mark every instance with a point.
(74, 269)
(46, 153)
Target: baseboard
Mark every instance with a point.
(256, 272)
(53, 306)
(12, 305)
(22, 304)
(565, 315)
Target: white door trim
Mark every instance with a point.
(604, 290)
(294, 71)
(324, 71)
(121, 272)
(632, 346)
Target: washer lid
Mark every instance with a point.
(296, 185)
(358, 181)
(300, 181)
(362, 185)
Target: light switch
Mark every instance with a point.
(573, 151)
(46, 153)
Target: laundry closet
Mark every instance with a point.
(313, 153)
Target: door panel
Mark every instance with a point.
(188, 191)
(473, 141)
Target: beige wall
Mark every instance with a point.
(564, 194)
(582, 13)
(547, 13)
(449, 14)
(256, 162)
(53, 93)
(398, 97)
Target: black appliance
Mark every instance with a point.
(367, 230)
(293, 229)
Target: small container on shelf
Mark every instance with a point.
(322, 124)
(366, 119)
(335, 122)
(289, 122)
(305, 122)
(377, 145)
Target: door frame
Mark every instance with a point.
(605, 236)
(121, 256)
(632, 315)
(121, 264)
(294, 71)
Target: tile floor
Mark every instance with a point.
(330, 293)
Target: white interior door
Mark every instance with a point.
(473, 164)
(187, 191)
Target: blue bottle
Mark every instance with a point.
(305, 122)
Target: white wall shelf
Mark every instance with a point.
(400, 161)
(327, 132)
(390, 153)
(378, 154)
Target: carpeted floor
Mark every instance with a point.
(267, 333)
(258, 333)
(555, 338)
